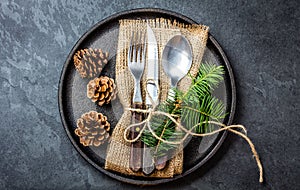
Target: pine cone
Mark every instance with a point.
(102, 90)
(92, 129)
(90, 62)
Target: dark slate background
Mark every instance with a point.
(261, 39)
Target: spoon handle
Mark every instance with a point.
(161, 162)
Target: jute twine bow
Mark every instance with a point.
(152, 111)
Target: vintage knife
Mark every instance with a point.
(152, 88)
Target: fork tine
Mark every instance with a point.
(144, 49)
(130, 48)
(135, 46)
(139, 48)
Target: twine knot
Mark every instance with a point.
(151, 111)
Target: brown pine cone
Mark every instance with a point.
(90, 62)
(92, 129)
(102, 90)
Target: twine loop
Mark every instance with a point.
(151, 111)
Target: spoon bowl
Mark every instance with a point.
(177, 58)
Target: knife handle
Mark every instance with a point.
(148, 160)
(135, 162)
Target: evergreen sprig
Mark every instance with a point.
(199, 105)
(164, 128)
(195, 106)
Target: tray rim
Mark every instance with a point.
(112, 174)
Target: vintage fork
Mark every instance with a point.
(136, 64)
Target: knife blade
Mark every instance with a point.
(152, 88)
(153, 66)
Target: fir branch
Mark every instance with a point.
(164, 128)
(197, 106)
(198, 97)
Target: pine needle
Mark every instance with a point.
(197, 105)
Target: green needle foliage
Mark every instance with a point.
(194, 108)
(164, 128)
(198, 103)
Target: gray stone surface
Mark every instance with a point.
(261, 39)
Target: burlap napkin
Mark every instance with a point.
(118, 151)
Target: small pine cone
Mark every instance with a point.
(92, 129)
(90, 62)
(101, 90)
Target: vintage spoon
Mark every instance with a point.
(176, 61)
(177, 58)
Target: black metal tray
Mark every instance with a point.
(73, 101)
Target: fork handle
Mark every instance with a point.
(137, 94)
(135, 162)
